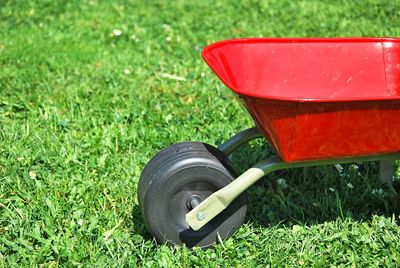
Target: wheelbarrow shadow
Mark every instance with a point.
(315, 194)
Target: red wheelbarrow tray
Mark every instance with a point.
(316, 98)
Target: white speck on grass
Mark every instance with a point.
(332, 189)
(166, 27)
(32, 174)
(350, 185)
(116, 32)
(378, 191)
(339, 168)
(127, 71)
(354, 167)
(282, 183)
(80, 222)
(172, 76)
(134, 38)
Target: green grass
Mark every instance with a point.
(82, 110)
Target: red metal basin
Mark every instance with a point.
(316, 98)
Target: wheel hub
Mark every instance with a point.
(193, 201)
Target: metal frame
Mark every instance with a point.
(220, 200)
(242, 137)
(386, 171)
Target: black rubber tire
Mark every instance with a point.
(171, 177)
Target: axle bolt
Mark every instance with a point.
(200, 216)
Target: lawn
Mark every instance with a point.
(91, 90)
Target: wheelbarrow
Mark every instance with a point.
(317, 101)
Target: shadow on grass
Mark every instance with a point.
(315, 194)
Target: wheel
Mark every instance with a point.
(175, 181)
